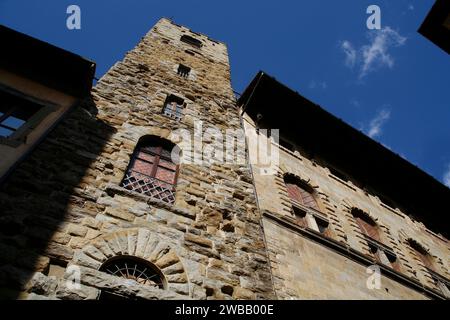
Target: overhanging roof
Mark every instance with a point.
(436, 26)
(45, 63)
(347, 149)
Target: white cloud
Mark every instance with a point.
(320, 84)
(410, 7)
(375, 54)
(376, 124)
(350, 53)
(446, 177)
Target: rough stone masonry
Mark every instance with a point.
(64, 205)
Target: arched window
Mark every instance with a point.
(300, 192)
(152, 171)
(366, 224)
(302, 200)
(134, 268)
(382, 253)
(422, 254)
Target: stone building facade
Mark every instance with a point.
(101, 210)
(70, 203)
(326, 232)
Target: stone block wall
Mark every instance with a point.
(64, 206)
(303, 268)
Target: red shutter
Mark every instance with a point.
(294, 192)
(301, 195)
(426, 260)
(368, 229)
(308, 199)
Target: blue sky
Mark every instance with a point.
(392, 83)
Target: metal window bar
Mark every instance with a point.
(149, 186)
(183, 71)
(173, 112)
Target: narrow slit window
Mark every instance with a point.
(183, 71)
(192, 41)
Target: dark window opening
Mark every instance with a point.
(300, 216)
(322, 225)
(173, 107)
(152, 170)
(137, 269)
(192, 41)
(14, 113)
(183, 71)
(393, 260)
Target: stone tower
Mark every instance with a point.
(100, 200)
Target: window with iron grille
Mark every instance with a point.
(173, 107)
(192, 41)
(183, 71)
(134, 268)
(152, 170)
(15, 112)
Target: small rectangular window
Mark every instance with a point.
(322, 225)
(192, 41)
(300, 216)
(14, 113)
(183, 71)
(173, 107)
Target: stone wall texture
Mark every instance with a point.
(64, 209)
(304, 269)
(64, 205)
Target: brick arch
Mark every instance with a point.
(135, 242)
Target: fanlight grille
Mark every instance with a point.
(135, 269)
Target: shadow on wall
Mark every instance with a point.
(36, 197)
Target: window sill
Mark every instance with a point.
(112, 189)
(14, 143)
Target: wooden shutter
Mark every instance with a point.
(425, 258)
(294, 192)
(368, 228)
(302, 196)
